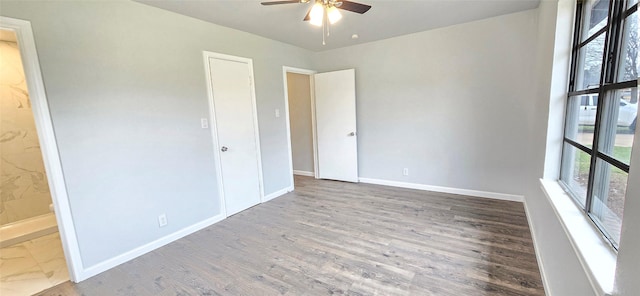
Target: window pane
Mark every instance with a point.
(608, 197)
(628, 60)
(595, 16)
(575, 171)
(590, 63)
(618, 123)
(581, 118)
(631, 3)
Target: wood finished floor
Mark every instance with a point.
(331, 237)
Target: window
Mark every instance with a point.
(599, 133)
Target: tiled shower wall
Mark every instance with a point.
(24, 191)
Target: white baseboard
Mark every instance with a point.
(278, 193)
(130, 255)
(485, 194)
(303, 173)
(545, 282)
(139, 251)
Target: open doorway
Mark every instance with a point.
(321, 124)
(27, 221)
(35, 218)
(300, 120)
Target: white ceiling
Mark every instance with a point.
(385, 19)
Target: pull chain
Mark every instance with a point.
(323, 41)
(326, 17)
(325, 25)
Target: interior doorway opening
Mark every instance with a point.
(49, 151)
(25, 189)
(299, 100)
(321, 124)
(28, 226)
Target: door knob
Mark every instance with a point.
(224, 149)
(351, 134)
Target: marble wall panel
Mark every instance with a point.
(24, 191)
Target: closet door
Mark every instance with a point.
(235, 119)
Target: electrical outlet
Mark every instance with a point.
(162, 220)
(277, 112)
(405, 172)
(204, 123)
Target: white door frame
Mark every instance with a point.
(285, 70)
(214, 129)
(49, 148)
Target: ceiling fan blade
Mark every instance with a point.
(281, 2)
(354, 7)
(308, 17)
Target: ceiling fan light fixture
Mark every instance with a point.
(316, 14)
(333, 14)
(325, 13)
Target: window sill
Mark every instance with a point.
(597, 257)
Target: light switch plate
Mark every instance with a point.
(277, 113)
(204, 123)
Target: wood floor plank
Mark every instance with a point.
(338, 238)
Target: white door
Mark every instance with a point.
(335, 106)
(236, 127)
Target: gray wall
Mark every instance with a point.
(451, 105)
(464, 107)
(299, 94)
(126, 89)
(467, 107)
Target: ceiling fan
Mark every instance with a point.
(325, 12)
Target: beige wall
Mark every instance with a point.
(24, 189)
(299, 93)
